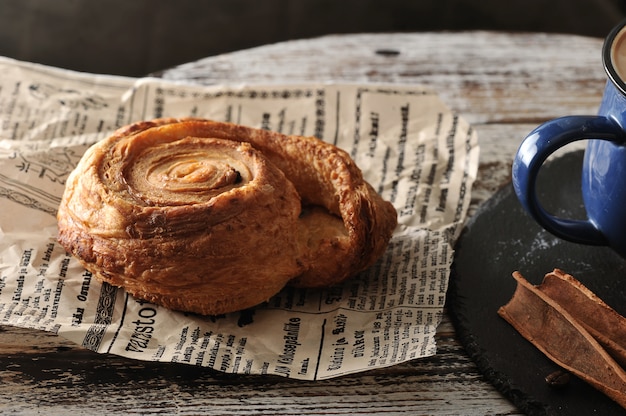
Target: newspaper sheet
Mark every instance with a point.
(410, 146)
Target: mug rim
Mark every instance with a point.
(607, 57)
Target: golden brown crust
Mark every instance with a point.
(207, 217)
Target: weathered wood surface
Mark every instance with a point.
(505, 84)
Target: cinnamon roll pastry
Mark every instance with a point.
(210, 217)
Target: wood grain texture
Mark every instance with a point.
(59, 378)
(504, 84)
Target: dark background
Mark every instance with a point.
(137, 37)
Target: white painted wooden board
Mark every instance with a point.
(503, 83)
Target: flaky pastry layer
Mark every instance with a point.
(211, 217)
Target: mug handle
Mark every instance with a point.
(537, 147)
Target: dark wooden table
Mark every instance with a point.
(504, 84)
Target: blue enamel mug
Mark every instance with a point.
(604, 163)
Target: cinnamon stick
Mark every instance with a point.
(604, 323)
(556, 333)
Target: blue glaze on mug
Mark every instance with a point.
(603, 171)
(604, 191)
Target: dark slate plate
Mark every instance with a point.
(502, 238)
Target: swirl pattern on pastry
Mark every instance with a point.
(210, 217)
